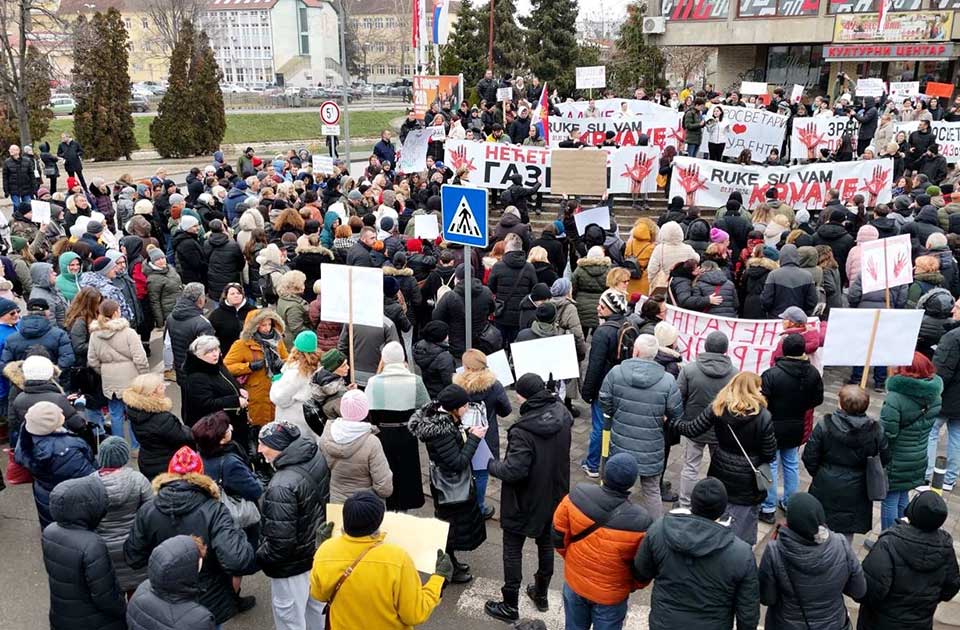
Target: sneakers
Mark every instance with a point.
(488, 512)
(667, 495)
(170, 375)
(948, 487)
(770, 518)
(502, 611)
(589, 472)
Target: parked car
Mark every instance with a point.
(62, 105)
(139, 103)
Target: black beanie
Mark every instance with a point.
(927, 511)
(620, 472)
(709, 499)
(794, 345)
(547, 313)
(733, 205)
(452, 397)
(540, 291)
(529, 384)
(805, 515)
(435, 331)
(717, 342)
(362, 513)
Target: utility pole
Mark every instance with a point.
(490, 42)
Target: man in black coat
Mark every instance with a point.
(556, 252)
(834, 235)
(224, 258)
(361, 254)
(19, 183)
(294, 505)
(511, 279)
(932, 164)
(517, 195)
(910, 570)
(189, 254)
(536, 476)
(487, 88)
(698, 553)
(186, 323)
(72, 154)
(451, 309)
(918, 143)
(867, 117)
(737, 225)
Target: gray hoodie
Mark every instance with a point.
(43, 289)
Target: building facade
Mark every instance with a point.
(810, 42)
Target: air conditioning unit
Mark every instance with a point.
(654, 25)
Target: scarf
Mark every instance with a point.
(542, 329)
(271, 355)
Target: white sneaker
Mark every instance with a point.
(593, 474)
(948, 487)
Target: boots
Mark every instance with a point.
(568, 403)
(507, 610)
(537, 592)
(461, 571)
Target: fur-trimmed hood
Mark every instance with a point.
(475, 381)
(315, 249)
(586, 261)
(111, 328)
(254, 319)
(763, 262)
(393, 271)
(14, 373)
(430, 422)
(925, 391)
(150, 404)
(204, 483)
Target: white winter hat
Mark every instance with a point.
(187, 222)
(37, 368)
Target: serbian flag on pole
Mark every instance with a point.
(416, 22)
(542, 116)
(441, 21)
(882, 17)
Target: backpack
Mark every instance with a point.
(267, 290)
(445, 287)
(506, 197)
(626, 336)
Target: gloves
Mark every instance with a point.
(324, 532)
(444, 566)
(257, 365)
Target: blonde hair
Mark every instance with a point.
(306, 362)
(762, 214)
(741, 396)
(537, 254)
(146, 384)
(927, 264)
(617, 275)
(292, 283)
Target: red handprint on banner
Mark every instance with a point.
(677, 134)
(810, 139)
(900, 264)
(458, 159)
(874, 185)
(872, 269)
(638, 172)
(691, 182)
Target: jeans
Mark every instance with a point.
(513, 562)
(167, 352)
(879, 375)
(692, 149)
(596, 438)
(480, 478)
(118, 418)
(18, 199)
(580, 613)
(893, 507)
(293, 608)
(690, 473)
(791, 478)
(953, 448)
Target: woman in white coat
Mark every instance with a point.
(292, 389)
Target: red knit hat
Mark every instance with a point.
(72, 182)
(414, 245)
(185, 461)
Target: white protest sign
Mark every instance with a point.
(322, 164)
(946, 133)
(439, 133)
(426, 226)
(500, 366)
(705, 183)
(420, 537)
(870, 87)
(550, 356)
(796, 93)
(367, 297)
(902, 90)
(662, 129)
(809, 135)
(413, 155)
(40, 211)
(885, 262)
(849, 332)
(633, 170)
(610, 108)
(753, 87)
(504, 94)
(755, 129)
(591, 77)
(599, 215)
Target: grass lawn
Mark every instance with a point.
(251, 128)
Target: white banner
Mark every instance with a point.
(662, 129)
(709, 184)
(610, 108)
(413, 154)
(591, 77)
(599, 215)
(755, 129)
(947, 133)
(753, 87)
(630, 169)
(885, 262)
(850, 329)
(796, 94)
(336, 283)
(809, 135)
(870, 87)
(902, 90)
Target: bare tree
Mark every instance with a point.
(167, 17)
(686, 61)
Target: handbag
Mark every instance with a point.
(243, 511)
(500, 306)
(16, 474)
(762, 475)
(50, 170)
(452, 488)
(490, 340)
(877, 483)
(660, 283)
(343, 578)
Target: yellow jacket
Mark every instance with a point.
(384, 590)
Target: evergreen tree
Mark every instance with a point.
(509, 48)
(102, 121)
(466, 50)
(37, 75)
(550, 33)
(209, 121)
(172, 132)
(635, 63)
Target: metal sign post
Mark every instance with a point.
(465, 223)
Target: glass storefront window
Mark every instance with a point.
(873, 6)
(779, 8)
(802, 65)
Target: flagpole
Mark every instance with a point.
(490, 40)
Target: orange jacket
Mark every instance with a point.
(598, 567)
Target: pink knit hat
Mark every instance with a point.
(185, 461)
(718, 236)
(354, 406)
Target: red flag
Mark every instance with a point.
(542, 115)
(416, 22)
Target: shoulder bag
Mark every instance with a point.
(877, 483)
(452, 488)
(343, 578)
(597, 524)
(762, 475)
(500, 306)
(243, 511)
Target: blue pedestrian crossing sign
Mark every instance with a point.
(465, 215)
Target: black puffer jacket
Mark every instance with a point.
(451, 310)
(682, 294)
(793, 388)
(757, 437)
(227, 322)
(947, 361)
(738, 226)
(190, 257)
(208, 388)
(698, 236)
(294, 505)
(510, 281)
(18, 177)
(754, 279)
(448, 449)
(716, 282)
(536, 467)
(603, 356)
(822, 572)
(185, 324)
(909, 572)
(169, 599)
(25, 394)
(840, 242)
(685, 554)
(836, 457)
(921, 228)
(436, 365)
(225, 262)
(190, 504)
(84, 592)
(937, 307)
(159, 432)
